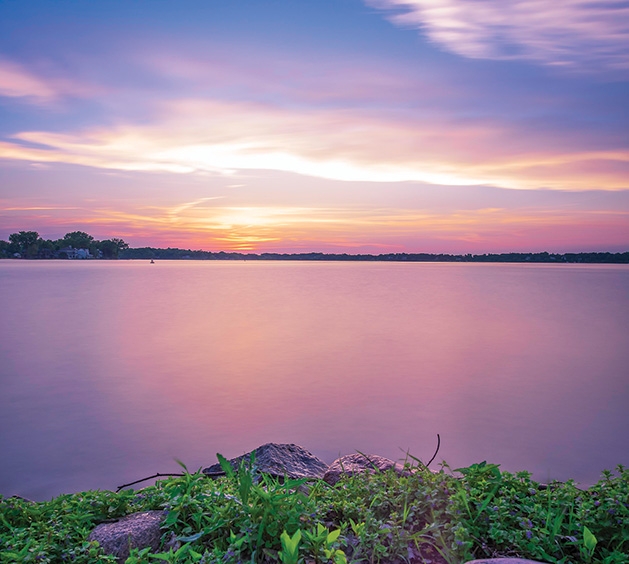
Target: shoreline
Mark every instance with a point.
(361, 508)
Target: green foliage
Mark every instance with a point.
(396, 518)
(26, 243)
(57, 530)
(77, 240)
(509, 514)
(29, 245)
(290, 547)
(111, 247)
(323, 545)
(589, 544)
(447, 516)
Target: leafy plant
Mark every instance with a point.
(448, 516)
(290, 547)
(589, 544)
(557, 522)
(323, 545)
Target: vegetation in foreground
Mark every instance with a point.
(446, 516)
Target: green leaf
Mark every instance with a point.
(196, 556)
(589, 540)
(291, 542)
(333, 535)
(163, 556)
(225, 465)
(246, 483)
(182, 465)
(290, 547)
(487, 500)
(191, 538)
(172, 517)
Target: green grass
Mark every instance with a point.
(447, 516)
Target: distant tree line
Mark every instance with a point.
(551, 258)
(77, 244)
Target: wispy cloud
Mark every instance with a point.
(219, 137)
(307, 80)
(177, 210)
(575, 33)
(17, 81)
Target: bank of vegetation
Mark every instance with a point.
(446, 516)
(77, 244)
(150, 253)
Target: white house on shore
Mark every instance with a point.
(75, 253)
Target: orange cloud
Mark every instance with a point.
(210, 225)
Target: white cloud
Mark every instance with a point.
(576, 33)
(218, 137)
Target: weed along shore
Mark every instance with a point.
(280, 504)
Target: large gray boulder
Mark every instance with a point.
(138, 530)
(352, 464)
(278, 460)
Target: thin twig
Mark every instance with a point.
(158, 475)
(434, 455)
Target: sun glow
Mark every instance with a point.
(502, 124)
(208, 224)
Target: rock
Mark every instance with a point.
(278, 460)
(137, 530)
(20, 498)
(352, 464)
(503, 561)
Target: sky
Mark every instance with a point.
(377, 126)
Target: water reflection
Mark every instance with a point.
(109, 370)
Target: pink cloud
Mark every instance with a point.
(213, 224)
(16, 81)
(188, 136)
(310, 80)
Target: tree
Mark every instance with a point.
(120, 243)
(24, 242)
(111, 247)
(46, 249)
(78, 240)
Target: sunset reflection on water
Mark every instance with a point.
(110, 370)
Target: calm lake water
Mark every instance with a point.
(110, 370)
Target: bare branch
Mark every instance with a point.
(434, 455)
(158, 475)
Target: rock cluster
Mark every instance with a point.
(141, 530)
